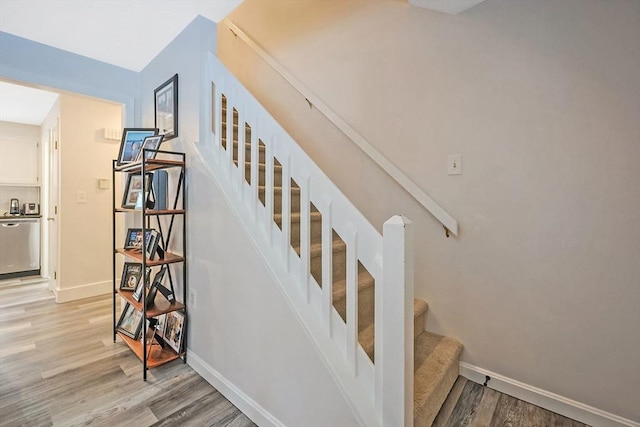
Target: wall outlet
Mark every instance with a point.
(454, 164)
(81, 197)
(192, 299)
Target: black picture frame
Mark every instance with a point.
(174, 328)
(131, 143)
(137, 294)
(133, 240)
(152, 245)
(130, 322)
(150, 143)
(131, 274)
(133, 190)
(166, 108)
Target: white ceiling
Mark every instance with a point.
(21, 104)
(126, 33)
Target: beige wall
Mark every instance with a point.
(542, 100)
(85, 228)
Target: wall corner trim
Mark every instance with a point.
(241, 400)
(546, 399)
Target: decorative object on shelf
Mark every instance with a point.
(162, 319)
(131, 274)
(166, 108)
(130, 322)
(137, 294)
(133, 189)
(152, 246)
(150, 143)
(133, 239)
(153, 289)
(131, 143)
(173, 330)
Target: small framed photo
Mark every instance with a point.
(133, 239)
(131, 143)
(137, 294)
(130, 322)
(162, 320)
(133, 189)
(150, 143)
(174, 330)
(166, 108)
(131, 274)
(151, 246)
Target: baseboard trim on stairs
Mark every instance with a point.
(241, 400)
(546, 399)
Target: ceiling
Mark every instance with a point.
(128, 34)
(21, 104)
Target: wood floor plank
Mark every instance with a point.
(486, 408)
(465, 408)
(447, 408)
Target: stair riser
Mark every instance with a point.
(247, 153)
(277, 202)
(339, 266)
(366, 300)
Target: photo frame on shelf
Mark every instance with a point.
(152, 246)
(174, 330)
(166, 108)
(131, 143)
(133, 240)
(130, 322)
(137, 294)
(131, 274)
(162, 319)
(150, 143)
(133, 189)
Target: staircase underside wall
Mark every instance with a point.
(242, 325)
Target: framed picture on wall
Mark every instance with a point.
(131, 143)
(166, 108)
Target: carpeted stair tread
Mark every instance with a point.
(436, 369)
(366, 335)
(278, 190)
(295, 217)
(315, 250)
(365, 280)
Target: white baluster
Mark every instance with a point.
(351, 240)
(327, 265)
(305, 238)
(285, 197)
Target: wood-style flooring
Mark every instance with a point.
(60, 367)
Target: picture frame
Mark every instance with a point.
(162, 320)
(133, 189)
(174, 327)
(133, 240)
(166, 108)
(150, 143)
(152, 245)
(130, 322)
(131, 275)
(131, 143)
(137, 294)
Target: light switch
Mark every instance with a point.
(454, 164)
(81, 197)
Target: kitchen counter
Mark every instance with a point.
(19, 216)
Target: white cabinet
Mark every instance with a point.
(19, 162)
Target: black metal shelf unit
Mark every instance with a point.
(169, 160)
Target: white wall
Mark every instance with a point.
(85, 228)
(242, 335)
(542, 100)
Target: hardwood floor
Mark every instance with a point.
(60, 367)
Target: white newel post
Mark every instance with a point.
(394, 325)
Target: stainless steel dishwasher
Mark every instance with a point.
(19, 247)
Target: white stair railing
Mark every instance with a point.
(380, 393)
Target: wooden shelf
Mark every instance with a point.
(154, 211)
(169, 258)
(150, 165)
(156, 355)
(161, 304)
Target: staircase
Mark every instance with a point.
(341, 284)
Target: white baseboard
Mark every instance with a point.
(246, 404)
(545, 399)
(83, 291)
